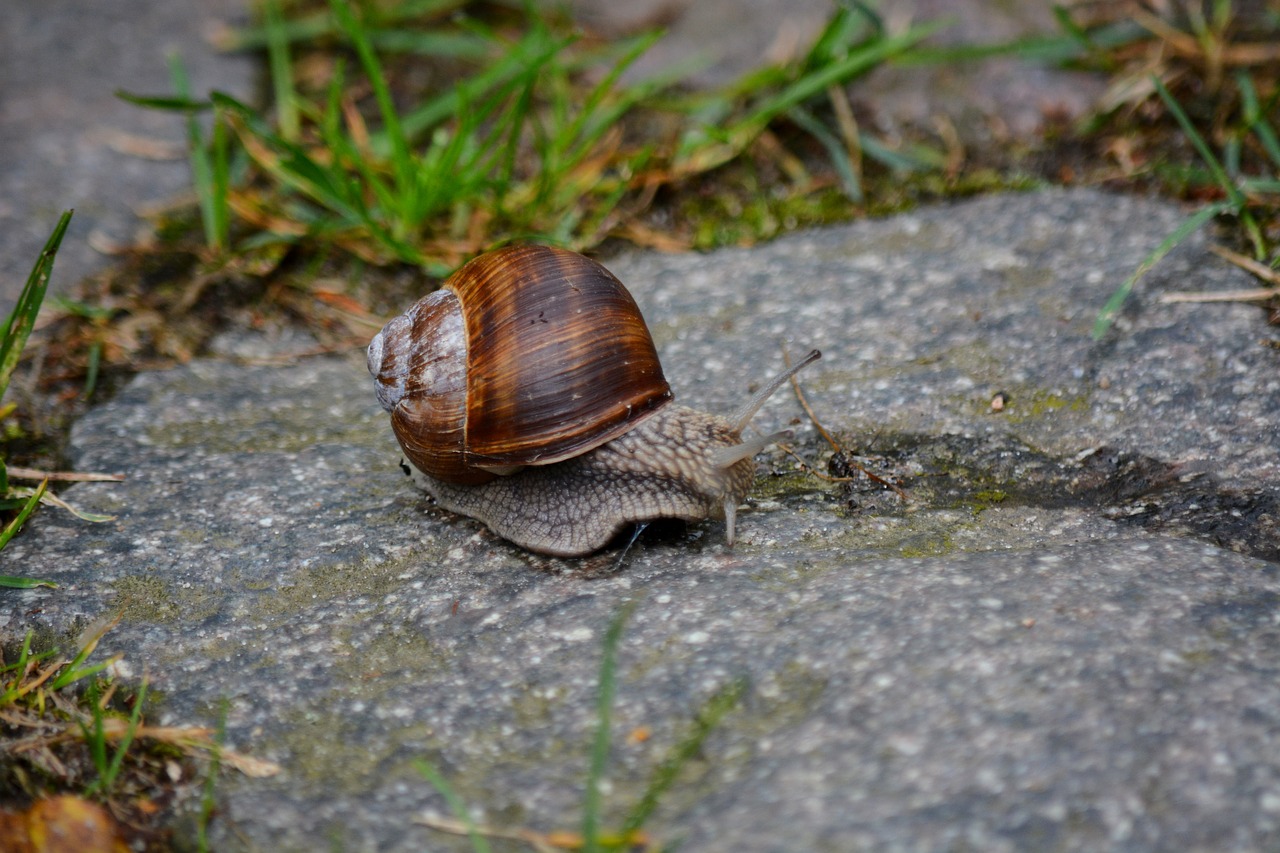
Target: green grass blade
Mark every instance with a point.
(1267, 136)
(1254, 229)
(459, 809)
(841, 29)
(95, 738)
(1109, 311)
(1068, 25)
(591, 803)
(1220, 176)
(708, 718)
(836, 151)
(17, 687)
(300, 29)
(1255, 116)
(1261, 185)
(401, 158)
(330, 123)
(12, 528)
(108, 780)
(346, 153)
(281, 71)
(202, 170)
(511, 125)
(208, 802)
(1075, 45)
(23, 318)
(1232, 153)
(72, 672)
(916, 159)
(170, 103)
(592, 122)
(435, 44)
(855, 63)
(220, 183)
(11, 582)
(712, 139)
(18, 667)
(534, 50)
(294, 167)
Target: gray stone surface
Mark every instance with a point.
(1049, 647)
(66, 141)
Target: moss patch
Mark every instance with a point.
(145, 598)
(1031, 404)
(952, 479)
(330, 752)
(392, 657)
(313, 585)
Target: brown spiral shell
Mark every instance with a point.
(527, 355)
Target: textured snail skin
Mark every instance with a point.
(661, 469)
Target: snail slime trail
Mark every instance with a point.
(527, 393)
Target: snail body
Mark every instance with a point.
(527, 393)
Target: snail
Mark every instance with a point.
(527, 393)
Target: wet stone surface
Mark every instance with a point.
(1067, 637)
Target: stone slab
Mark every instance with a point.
(1006, 674)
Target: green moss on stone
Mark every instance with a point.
(145, 598)
(391, 657)
(927, 546)
(316, 584)
(328, 751)
(986, 498)
(1026, 405)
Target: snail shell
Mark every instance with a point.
(527, 355)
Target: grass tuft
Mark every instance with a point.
(68, 727)
(1190, 110)
(546, 138)
(1252, 202)
(17, 329)
(593, 838)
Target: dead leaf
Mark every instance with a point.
(64, 824)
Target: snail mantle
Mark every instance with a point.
(526, 393)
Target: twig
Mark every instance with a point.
(808, 410)
(1258, 294)
(790, 451)
(813, 418)
(538, 841)
(1261, 294)
(848, 128)
(345, 345)
(1262, 271)
(1187, 46)
(75, 476)
(954, 146)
